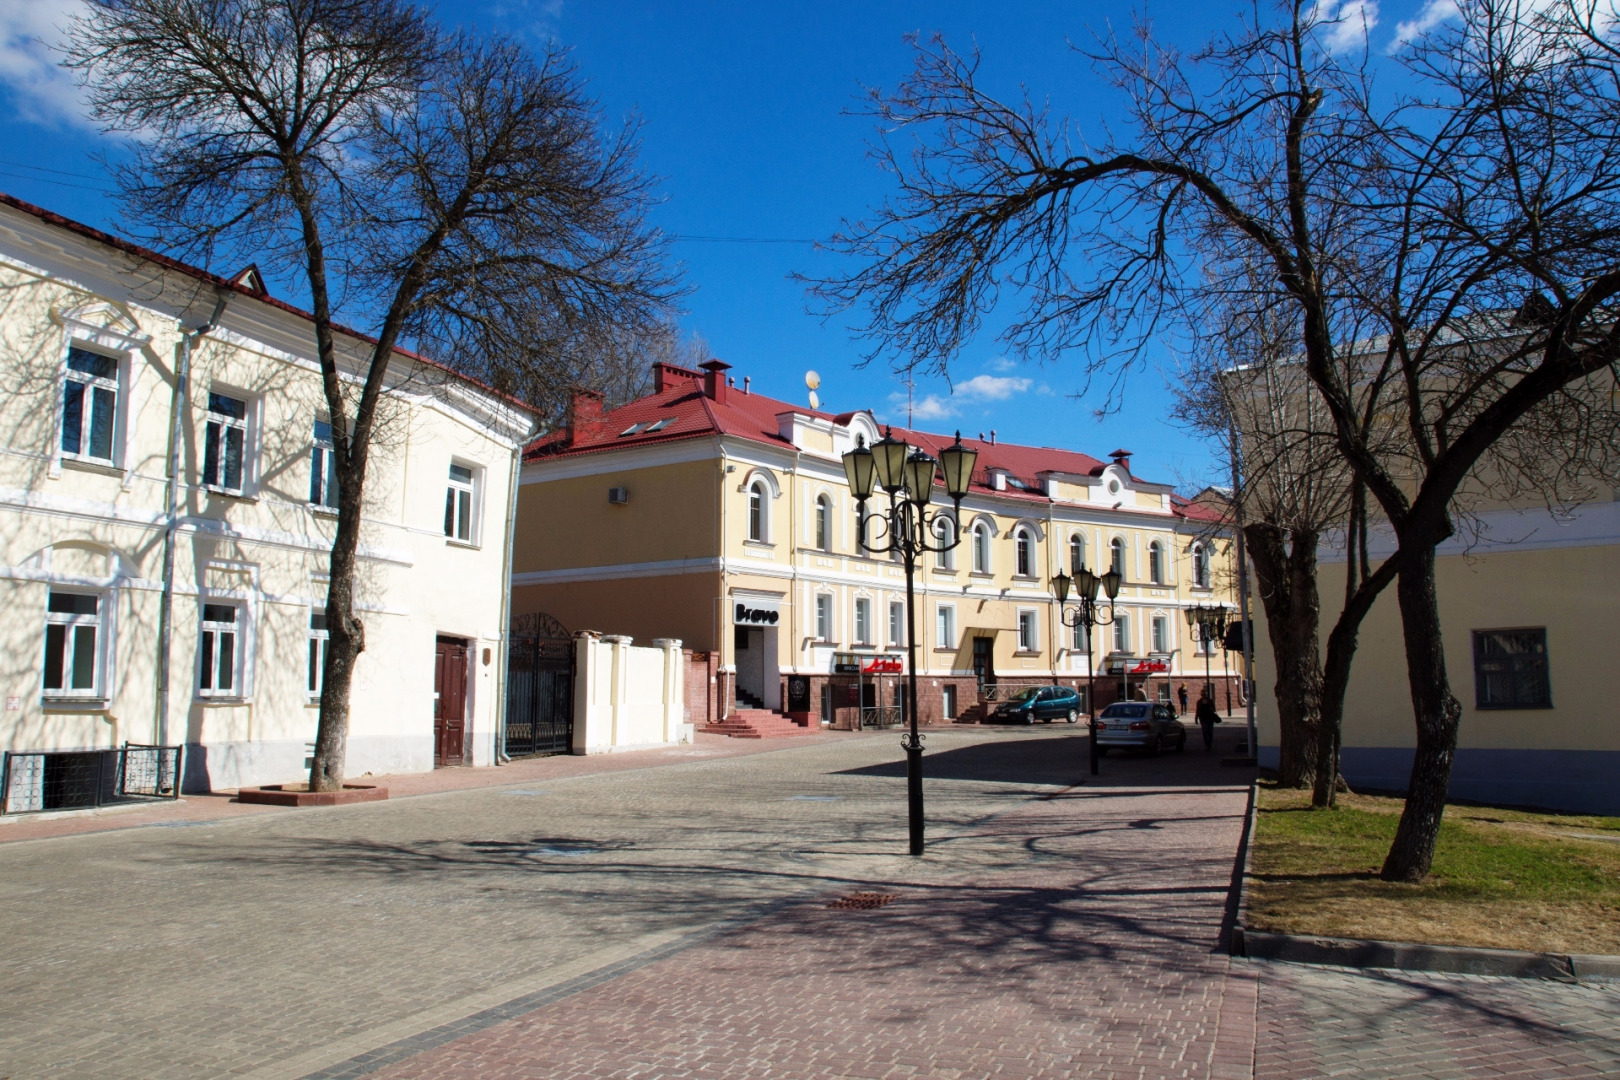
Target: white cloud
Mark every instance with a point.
(932, 407)
(991, 387)
(979, 389)
(30, 65)
(1433, 14)
(1344, 24)
(1001, 363)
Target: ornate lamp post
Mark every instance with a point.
(1207, 625)
(906, 475)
(1088, 614)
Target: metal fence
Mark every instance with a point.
(38, 780)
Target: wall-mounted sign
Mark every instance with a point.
(882, 665)
(1150, 667)
(756, 612)
(798, 693)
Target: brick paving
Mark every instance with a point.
(671, 918)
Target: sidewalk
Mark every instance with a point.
(222, 805)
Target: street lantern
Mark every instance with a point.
(1110, 583)
(1088, 584)
(860, 468)
(1088, 614)
(957, 461)
(1060, 585)
(920, 477)
(890, 455)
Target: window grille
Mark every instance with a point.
(1510, 669)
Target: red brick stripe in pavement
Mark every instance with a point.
(1077, 937)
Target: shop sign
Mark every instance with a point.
(882, 665)
(1150, 667)
(756, 612)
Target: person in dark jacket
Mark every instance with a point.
(1181, 692)
(1207, 718)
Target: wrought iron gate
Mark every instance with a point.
(539, 687)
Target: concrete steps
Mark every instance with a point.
(756, 724)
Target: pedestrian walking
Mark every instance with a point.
(1208, 718)
(1181, 692)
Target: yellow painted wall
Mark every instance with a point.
(566, 523)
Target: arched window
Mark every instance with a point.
(1077, 553)
(824, 523)
(1116, 549)
(756, 510)
(981, 548)
(1024, 546)
(1156, 563)
(945, 536)
(1200, 555)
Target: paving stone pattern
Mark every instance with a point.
(674, 921)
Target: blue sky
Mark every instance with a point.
(744, 107)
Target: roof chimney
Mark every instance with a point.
(584, 416)
(714, 380)
(1122, 458)
(666, 375)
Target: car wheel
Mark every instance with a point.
(1029, 718)
(1072, 717)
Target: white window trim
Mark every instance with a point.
(1076, 539)
(120, 387)
(328, 480)
(101, 681)
(475, 511)
(862, 603)
(311, 634)
(238, 629)
(120, 337)
(1155, 561)
(823, 629)
(247, 639)
(981, 531)
(1164, 644)
(949, 613)
(945, 529)
(823, 501)
(1122, 629)
(252, 425)
(1021, 535)
(1034, 624)
(763, 491)
(897, 626)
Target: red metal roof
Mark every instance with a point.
(752, 417)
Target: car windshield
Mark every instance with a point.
(1131, 712)
(1029, 694)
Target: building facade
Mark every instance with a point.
(91, 340)
(722, 517)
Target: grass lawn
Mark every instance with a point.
(1507, 879)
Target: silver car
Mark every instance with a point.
(1140, 725)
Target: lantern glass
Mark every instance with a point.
(957, 461)
(860, 468)
(1088, 583)
(1110, 583)
(890, 456)
(1192, 616)
(920, 477)
(1061, 585)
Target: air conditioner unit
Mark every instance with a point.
(618, 495)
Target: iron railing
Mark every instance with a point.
(37, 780)
(1005, 689)
(882, 716)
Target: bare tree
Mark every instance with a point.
(438, 188)
(1419, 219)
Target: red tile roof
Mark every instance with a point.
(753, 416)
(243, 284)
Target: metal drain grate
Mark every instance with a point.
(861, 901)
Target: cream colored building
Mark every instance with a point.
(90, 341)
(1529, 606)
(722, 517)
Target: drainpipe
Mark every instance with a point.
(182, 377)
(502, 672)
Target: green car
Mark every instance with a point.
(1043, 703)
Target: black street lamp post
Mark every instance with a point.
(1207, 625)
(907, 474)
(1089, 614)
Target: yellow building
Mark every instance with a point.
(1528, 607)
(91, 341)
(722, 517)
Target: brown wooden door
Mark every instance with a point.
(450, 701)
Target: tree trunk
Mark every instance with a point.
(1438, 714)
(1287, 579)
(346, 635)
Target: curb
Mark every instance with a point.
(1398, 955)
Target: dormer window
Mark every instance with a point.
(635, 428)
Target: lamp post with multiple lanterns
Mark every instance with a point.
(906, 474)
(1089, 614)
(1208, 624)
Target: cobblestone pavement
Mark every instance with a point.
(674, 921)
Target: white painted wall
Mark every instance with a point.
(626, 697)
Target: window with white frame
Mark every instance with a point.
(1122, 633)
(824, 617)
(1116, 552)
(823, 523)
(219, 651)
(897, 623)
(945, 626)
(1079, 640)
(460, 499)
(89, 406)
(323, 484)
(317, 652)
(1156, 563)
(1027, 639)
(1160, 633)
(863, 621)
(981, 548)
(1077, 553)
(225, 440)
(1200, 562)
(945, 537)
(1024, 548)
(73, 645)
(757, 496)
